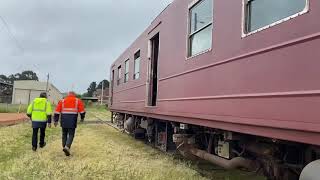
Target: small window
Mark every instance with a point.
(137, 58)
(126, 74)
(119, 75)
(200, 27)
(261, 13)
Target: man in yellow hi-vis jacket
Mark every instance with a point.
(40, 112)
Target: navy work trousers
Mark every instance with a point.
(67, 136)
(35, 136)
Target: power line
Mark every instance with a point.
(11, 34)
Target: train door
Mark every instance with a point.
(153, 72)
(112, 85)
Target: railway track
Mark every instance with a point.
(100, 121)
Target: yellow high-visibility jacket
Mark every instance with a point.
(39, 110)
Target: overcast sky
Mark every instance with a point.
(74, 40)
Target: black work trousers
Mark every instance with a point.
(67, 136)
(35, 137)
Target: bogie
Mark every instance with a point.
(276, 159)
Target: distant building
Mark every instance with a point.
(25, 91)
(5, 92)
(98, 94)
(90, 100)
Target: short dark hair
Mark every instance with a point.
(43, 95)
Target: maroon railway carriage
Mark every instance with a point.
(237, 81)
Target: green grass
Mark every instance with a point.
(16, 140)
(13, 108)
(97, 112)
(98, 152)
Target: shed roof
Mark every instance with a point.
(5, 83)
(33, 85)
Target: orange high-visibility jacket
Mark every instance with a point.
(70, 105)
(68, 110)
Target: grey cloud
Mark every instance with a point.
(85, 36)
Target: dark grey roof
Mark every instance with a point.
(89, 98)
(2, 82)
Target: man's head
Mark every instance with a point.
(43, 95)
(71, 93)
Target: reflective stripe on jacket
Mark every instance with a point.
(67, 110)
(73, 110)
(39, 110)
(70, 105)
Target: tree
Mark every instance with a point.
(78, 95)
(4, 78)
(91, 89)
(106, 84)
(25, 75)
(29, 75)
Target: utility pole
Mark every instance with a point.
(47, 86)
(102, 92)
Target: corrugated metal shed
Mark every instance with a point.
(25, 91)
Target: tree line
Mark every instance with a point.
(30, 75)
(94, 87)
(24, 75)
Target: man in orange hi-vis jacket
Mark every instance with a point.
(68, 110)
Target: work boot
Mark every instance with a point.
(43, 145)
(66, 151)
(34, 149)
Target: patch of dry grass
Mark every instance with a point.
(98, 112)
(99, 152)
(13, 141)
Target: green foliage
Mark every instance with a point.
(4, 78)
(78, 96)
(91, 89)
(25, 75)
(28, 75)
(13, 108)
(105, 84)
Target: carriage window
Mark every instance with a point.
(200, 27)
(126, 74)
(261, 13)
(136, 65)
(119, 75)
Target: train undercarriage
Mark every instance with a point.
(275, 159)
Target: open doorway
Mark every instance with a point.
(112, 86)
(153, 83)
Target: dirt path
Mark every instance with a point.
(11, 118)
